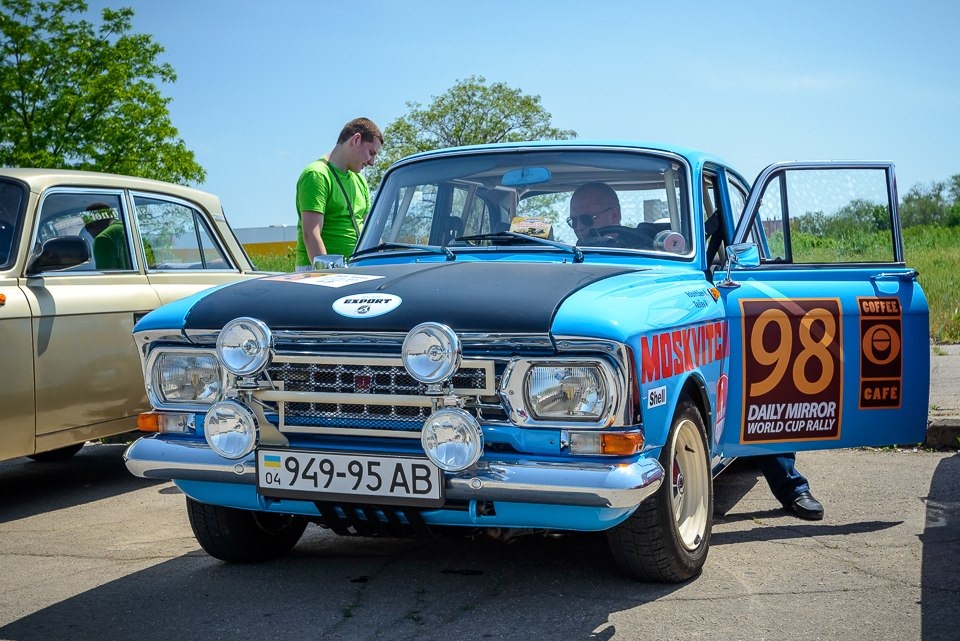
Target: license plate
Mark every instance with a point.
(324, 476)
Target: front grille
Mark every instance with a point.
(318, 393)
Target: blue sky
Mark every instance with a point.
(264, 87)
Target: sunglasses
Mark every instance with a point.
(586, 219)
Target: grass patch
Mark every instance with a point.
(935, 253)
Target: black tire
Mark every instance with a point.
(243, 536)
(666, 540)
(59, 454)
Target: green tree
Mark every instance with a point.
(72, 96)
(953, 211)
(472, 112)
(925, 205)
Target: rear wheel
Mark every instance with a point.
(243, 536)
(667, 538)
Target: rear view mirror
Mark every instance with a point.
(526, 176)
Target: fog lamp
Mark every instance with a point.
(231, 429)
(452, 439)
(244, 346)
(431, 352)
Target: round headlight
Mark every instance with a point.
(452, 439)
(244, 346)
(431, 352)
(231, 429)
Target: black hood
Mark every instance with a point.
(508, 297)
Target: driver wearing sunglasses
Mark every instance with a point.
(593, 206)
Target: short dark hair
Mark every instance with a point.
(364, 126)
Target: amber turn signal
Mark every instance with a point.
(148, 422)
(621, 443)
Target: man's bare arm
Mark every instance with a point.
(312, 223)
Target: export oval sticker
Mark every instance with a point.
(366, 305)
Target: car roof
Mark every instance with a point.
(39, 179)
(694, 157)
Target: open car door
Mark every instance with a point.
(829, 329)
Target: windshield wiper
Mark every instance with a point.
(433, 249)
(500, 235)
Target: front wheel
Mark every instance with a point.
(243, 536)
(667, 538)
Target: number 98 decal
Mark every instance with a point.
(793, 369)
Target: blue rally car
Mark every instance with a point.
(543, 337)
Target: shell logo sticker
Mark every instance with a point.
(366, 305)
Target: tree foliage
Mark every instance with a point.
(472, 112)
(937, 204)
(79, 97)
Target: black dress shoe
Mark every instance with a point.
(806, 507)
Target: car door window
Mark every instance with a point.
(176, 236)
(94, 217)
(851, 207)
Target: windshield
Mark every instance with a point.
(610, 199)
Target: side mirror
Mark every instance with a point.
(60, 253)
(328, 261)
(743, 255)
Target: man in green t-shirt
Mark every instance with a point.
(110, 247)
(333, 198)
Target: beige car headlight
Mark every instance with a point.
(184, 378)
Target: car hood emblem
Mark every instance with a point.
(366, 305)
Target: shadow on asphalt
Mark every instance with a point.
(96, 472)
(940, 579)
(335, 588)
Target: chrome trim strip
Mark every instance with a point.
(314, 339)
(351, 431)
(583, 484)
(605, 485)
(343, 397)
(153, 458)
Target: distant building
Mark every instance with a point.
(268, 241)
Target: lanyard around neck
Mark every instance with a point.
(343, 190)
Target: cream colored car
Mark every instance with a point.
(82, 256)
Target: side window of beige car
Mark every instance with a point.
(176, 236)
(94, 217)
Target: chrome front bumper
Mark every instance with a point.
(579, 484)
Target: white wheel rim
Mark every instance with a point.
(689, 484)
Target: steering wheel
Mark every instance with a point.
(620, 236)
